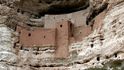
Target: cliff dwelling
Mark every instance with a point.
(61, 35)
(58, 37)
(58, 31)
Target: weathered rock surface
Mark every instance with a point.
(6, 51)
(105, 44)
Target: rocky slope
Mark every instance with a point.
(103, 48)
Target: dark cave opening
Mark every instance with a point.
(55, 7)
(64, 10)
(36, 66)
(115, 55)
(51, 66)
(58, 10)
(98, 58)
(92, 45)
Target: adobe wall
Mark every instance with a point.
(36, 37)
(81, 32)
(77, 18)
(62, 38)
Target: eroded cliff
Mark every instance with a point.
(103, 47)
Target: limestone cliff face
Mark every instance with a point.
(105, 43)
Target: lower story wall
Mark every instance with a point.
(37, 37)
